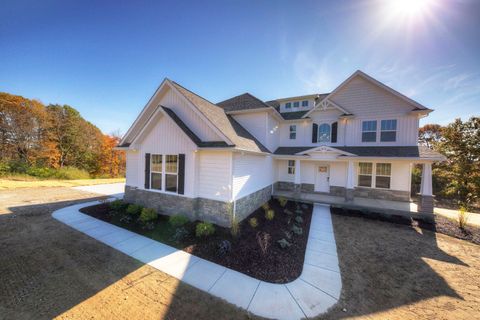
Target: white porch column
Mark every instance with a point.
(350, 181)
(425, 203)
(297, 188)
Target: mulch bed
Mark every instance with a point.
(254, 251)
(441, 225)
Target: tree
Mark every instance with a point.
(429, 135)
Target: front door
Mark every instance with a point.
(322, 183)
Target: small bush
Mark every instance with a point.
(178, 220)
(463, 216)
(180, 234)
(253, 222)
(235, 228)
(41, 172)
(71, 173)
(297, 230)
(134, 209)
(224, 247)
(299, 211)
(204, 229)
(265, 206)
(304, 206)
(117, 205)
(284, 243)
(148, 215)
(288, 212)
(298, 219)
(283, 201)
(288, 235)
(269, 214)
(4, 168)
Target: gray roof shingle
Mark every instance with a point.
(243, 102)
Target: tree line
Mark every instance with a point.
(457, 178)
(40, 140)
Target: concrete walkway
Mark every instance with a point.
(317, 289)
(111, 189)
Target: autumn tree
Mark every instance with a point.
(429, 135)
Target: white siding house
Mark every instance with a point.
(215, 161)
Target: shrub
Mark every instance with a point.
(4, 168)
(148, 215)
(41, 172)
(288, 234)
(299, 219)
(224, 247)
(71, 173)
(134, 209)
(463, 216)
(284, 243)
(178, 220)
(180, 234)
(297, 230)
(283, 201)
(288, 212)
(204, 229)
(18, 166)
(299, 211)
(269, 214)
(117, 205)
(265, 206)
(235, 228)
(253, 222)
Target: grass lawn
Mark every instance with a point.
(15, 182)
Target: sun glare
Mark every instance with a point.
(408, 8)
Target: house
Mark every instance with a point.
(187, 155)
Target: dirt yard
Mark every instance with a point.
(48, 270)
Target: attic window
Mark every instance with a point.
(296, 104)
(288, 105)
(305, 103)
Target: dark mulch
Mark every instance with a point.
(254, 252)
(441, 225)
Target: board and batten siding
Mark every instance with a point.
(214, 175)
(251, 173)
(255, 123)
(163, 137)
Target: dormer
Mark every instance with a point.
(295, 104)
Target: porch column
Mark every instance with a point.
(350, 182)
(425, 199)
(297, 188)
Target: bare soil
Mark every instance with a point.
(389, 271)
(255, 251)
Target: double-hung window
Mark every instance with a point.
(369, 131)
(365, 171)
(291, 166)
(171, 173)
(293, 132)
(296, 104)
(382, 175)
(288, 105)
(388, 130)
(305, 103)
(156, 172)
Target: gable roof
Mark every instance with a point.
(416, 106)
(240, 138)
(243, 102)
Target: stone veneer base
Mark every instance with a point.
(215, 211)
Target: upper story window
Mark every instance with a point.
(305, 103)
(291, 166)
(296, 104)
(388, 130)
(288, 105)
(293, 132)
(324, 133)
(156, 171)
(369, 131)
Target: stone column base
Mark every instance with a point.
(349, 195)
(425, 206)
(297, 189)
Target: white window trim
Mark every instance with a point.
(164, 173)
(396, 130)
(151, 171)
(294, 131)
(298, 102)
(376, 130)
(291, 167)
(318, 132)
(374, 175)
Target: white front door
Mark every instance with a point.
(322, 183)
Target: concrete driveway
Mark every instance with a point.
(112, 189)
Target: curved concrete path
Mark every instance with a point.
(317, 289)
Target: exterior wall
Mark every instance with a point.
(215, 175)
(255, 123)
(246, 205)
(273, 136)
(251, 173)
(311, 103)
(153, 141)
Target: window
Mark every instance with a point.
(296, 104)
(293, 132)
(324, 133)
(291, 166)
(365, 174)
(388, 130)
(171, 173)
(305, 103)
(369, 131)
(288, 105)
(382, 175)
(156, 171)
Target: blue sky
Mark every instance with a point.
(107, 58)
